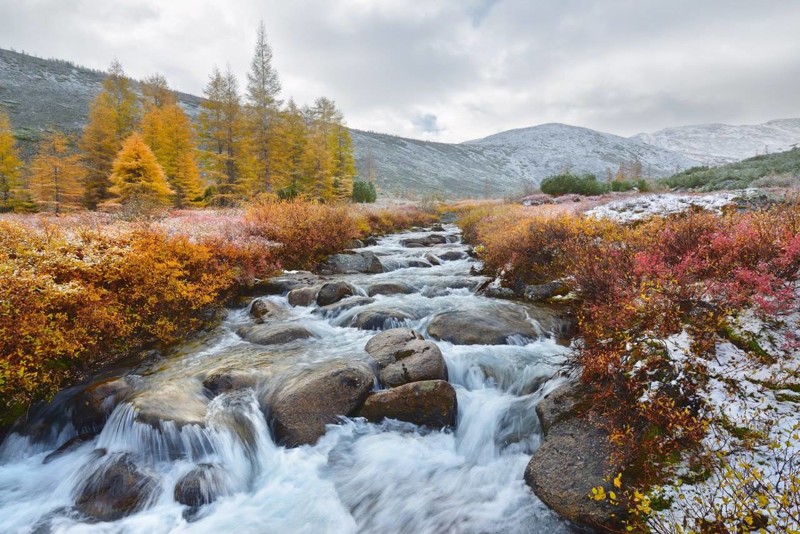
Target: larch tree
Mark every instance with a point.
(168, 131)
(318, 163)
(330, 151)
(56, 173)
(224, 140)
(137, 177)
(263, 87)
(288, 151)
(113, 116)
(10, 164)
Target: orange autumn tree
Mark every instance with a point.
(137, 177)
(10, 163)
(55, 177)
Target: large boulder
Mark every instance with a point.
(202, 485)
(379, 319)
(363, 262)
(182, 403)
(403, 357)
(263, 310)
(115, 489)
(573, 459)
(390, 288)
(481, 327)
(92, 406)
(333, 292)
(274, 334)
(303, 296)
(383, 346)
(430, 403)
(300, 411)
(559, 404)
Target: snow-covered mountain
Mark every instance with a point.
(715, 144)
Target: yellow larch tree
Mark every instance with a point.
(113, 116)
(287, 151)
(10, 164)
(56, 173)
(137, 177)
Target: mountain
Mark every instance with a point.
(716, 144)
(39, 93)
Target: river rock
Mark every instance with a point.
(383, 347)
(300, 411)
(68, 446)
(480, 327)
(356, 243)
(265, 310)
(403, 356)
(413, 244)
(432, 259)
(559, 404)
(274, 334)
(200, 486)
(371, 241)
(544, 292)
(92, 406)
(430, 403)
(378, 319)
(116, 489)
(427, 241)
(333, 292)
(181, 402)
(573, 459)
(452, 255)
(390, 288)
(281, 285)
(334, 310)
(437, 228)
(363, 262)
(303, 296)
(229, 380)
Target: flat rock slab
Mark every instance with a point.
(571, 461)
(480, 327)
(274, 334)
(430, 403)
(300, 411)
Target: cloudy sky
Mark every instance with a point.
(452, 70)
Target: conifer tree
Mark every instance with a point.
(318, 162)
(113, 115)
(168, 132)
(288, 151)
(10, 164)
(263, 88)
(56, 173)
(137, 177)
(223, 138)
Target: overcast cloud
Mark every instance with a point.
(452, 70)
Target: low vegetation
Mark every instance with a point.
(587, 184)
(781, 169)
(77, 292)
(639, 288)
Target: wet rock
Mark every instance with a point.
(452, 255)
(371, 241)
(333, 310)
(200, 486)
(265, 310)
(356, 243)
(414, 244)
(274, 334)
(427, 241)
(498, 292)
(182, 403)
(300, 412)
(415, 361)
(559, 404)
(303, 296)
(363, 262)
(437, 228)
(480, 327)
(432, 259)
(390, 288)
(430, 403)
(93, 405)
(281, 285)
(418, 263)
(68, 446)
(544, 292)
(231, 380)
(379, 319)
(333, 292)
(116, 489)
(382, 347)
(571, 461)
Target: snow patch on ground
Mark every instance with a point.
(645, 206)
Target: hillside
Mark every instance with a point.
(715, 144)
(780, 169)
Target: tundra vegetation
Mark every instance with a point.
(662, 306)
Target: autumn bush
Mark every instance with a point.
(637, 285)
(77, 292)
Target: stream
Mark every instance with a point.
(384, 477)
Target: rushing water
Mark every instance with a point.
(359, 477)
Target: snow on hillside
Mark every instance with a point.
(715, 144)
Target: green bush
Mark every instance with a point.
(567, 183)
(364, 192)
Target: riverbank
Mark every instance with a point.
(671, 310)
(84, 290)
